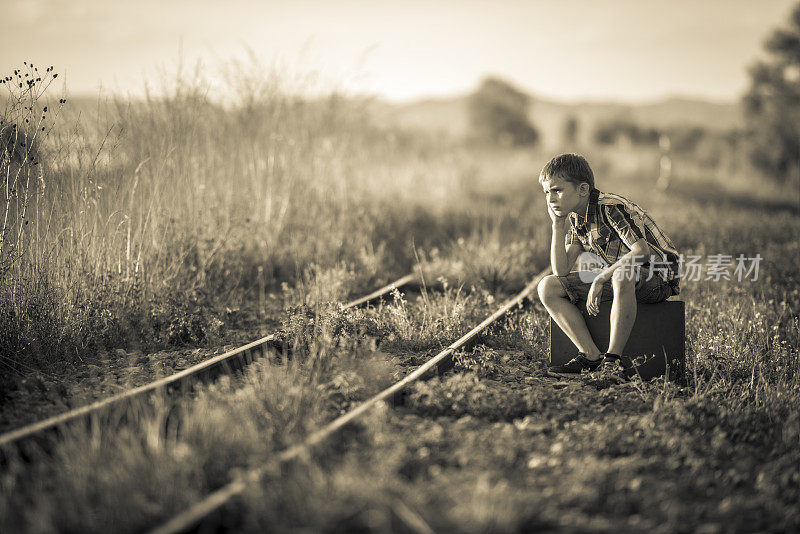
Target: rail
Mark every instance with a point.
(231, 360)
(194, 515)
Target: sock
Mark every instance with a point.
(612, 355)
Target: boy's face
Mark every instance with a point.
(564, 196)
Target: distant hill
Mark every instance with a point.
(451, 116)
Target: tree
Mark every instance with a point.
(499, 114)
(772, 104)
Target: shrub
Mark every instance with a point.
(499, 114)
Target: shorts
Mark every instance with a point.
(577, 283)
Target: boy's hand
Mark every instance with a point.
(558, 220)
(593, 298)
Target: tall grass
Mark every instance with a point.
(150, 210)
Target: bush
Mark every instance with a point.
(499, 114)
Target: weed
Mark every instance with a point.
(481, 361)
(435, 320)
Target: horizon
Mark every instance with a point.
(622, 52)
(102, 93)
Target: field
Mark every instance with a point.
(166, 230)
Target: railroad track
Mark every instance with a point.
(228, 362)
(194, 516)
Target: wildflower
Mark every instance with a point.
(55, 75)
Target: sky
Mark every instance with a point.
(571, 50)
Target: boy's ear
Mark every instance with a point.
(584, 188)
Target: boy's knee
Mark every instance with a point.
(623, 280)
(549, 287)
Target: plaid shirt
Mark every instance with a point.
(610, 227)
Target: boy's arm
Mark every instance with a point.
(630, 228)
(637, 255)
(573, 251)
(562, 257)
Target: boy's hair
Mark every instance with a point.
(571, 167)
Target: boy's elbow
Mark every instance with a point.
(560, 271)
(641, 248)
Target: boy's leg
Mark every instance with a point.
(623, 309)
(567, 315)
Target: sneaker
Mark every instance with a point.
(577, 365)
(612, 370)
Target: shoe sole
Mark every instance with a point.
(565, 375)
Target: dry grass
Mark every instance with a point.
(147, 210)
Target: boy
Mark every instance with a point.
(640, 262)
